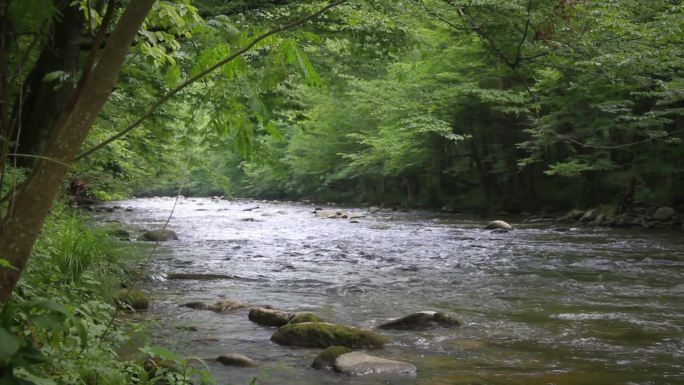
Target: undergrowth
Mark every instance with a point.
(62, 326)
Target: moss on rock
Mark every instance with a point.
(326, 358)
(305, 317)
(132, 299)
(323, 335)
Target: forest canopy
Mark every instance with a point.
(474, 104)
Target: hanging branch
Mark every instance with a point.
(202, 74)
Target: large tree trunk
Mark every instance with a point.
(31, 204)
(46, 101)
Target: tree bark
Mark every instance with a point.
(46, 101)
(32, 203)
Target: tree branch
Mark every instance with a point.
(202, 74)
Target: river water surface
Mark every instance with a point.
(538, 306)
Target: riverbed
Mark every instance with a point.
(538, 305)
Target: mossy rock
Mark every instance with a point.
(160, 235)
(305, 317)
(323, 335)
(269, 317)
(132, 299)
(422, 320)
(326, 358)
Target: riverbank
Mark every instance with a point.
(63, 323)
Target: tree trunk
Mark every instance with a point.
(31, 204)
(46, 101)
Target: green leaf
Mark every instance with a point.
(161, 352)
(172, 76)
(6, 264)
(9, 343)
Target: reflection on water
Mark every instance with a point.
(586, 306)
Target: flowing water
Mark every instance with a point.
(539, 306)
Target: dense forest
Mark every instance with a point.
(511, 105)
(521, 106)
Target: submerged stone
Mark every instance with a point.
(227, 305)
(323, 335)
(422, 320)
(236, 359)
(197, 305)
(361, 364)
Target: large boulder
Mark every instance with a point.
(663, 213)
(323, 335)
(160, 235)
(422, 320)
(235, 359)
(131, 299)
(498, 224)
(227, 305)
(360, 364)
(326, 358)
(269, 317)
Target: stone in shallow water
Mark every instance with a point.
(422, 320)
(498, 224)
(305, 317)
(269, 317)
(326, 358)
(361, 364)
(132, 299)
(323, 335)
(236, 359)
(197, 305)
(664, 213)
(227, 305)
(160, 235)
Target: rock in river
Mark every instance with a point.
(326, 358)
(422, 320)
(498, 224)
(132, 299)
(227, 305)
(235, 359)
(360, 364)
(160, 235)
(664, 213)
(305, 317)
(590, 215)
(197, 305)
(269, 317)
(323, 335)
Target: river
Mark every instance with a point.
(539, 306)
